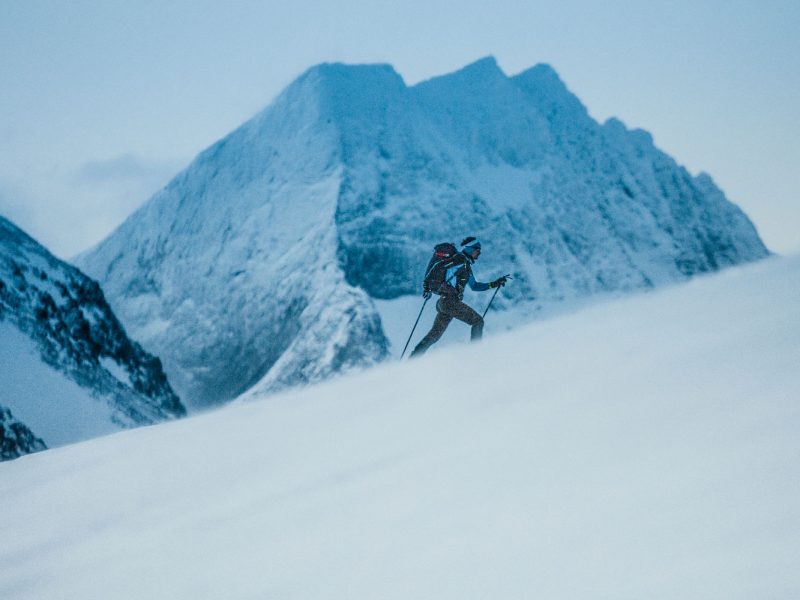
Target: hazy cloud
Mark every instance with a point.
(15, 206)
(125, 169)
(71, 211)
(8, 134)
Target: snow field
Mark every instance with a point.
(644, 448)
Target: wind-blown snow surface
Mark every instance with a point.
(259, 265)
(645, 448)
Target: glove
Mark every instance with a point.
(499, 282)
(426, 292)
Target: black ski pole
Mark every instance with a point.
(497, 289)
(413, 328)
(490, 301)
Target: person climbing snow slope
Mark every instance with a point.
(447, 275)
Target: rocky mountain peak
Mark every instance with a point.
(270, 251)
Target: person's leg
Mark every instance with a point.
(468, 315)
(440, 323)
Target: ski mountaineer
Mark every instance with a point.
(450, 288)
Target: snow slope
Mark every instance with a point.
(269, 251)
(644, 448)
(50, 403)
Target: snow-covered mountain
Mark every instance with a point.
(67, 368)
(16, 439)
(259, 265)
(642, 448)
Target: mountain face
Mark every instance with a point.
(259, 264)
(67, 368)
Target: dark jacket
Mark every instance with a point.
(458, 276)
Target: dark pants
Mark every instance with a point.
(447, 309)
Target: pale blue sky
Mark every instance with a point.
(102, 101)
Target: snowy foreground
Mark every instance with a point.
(645, 448)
